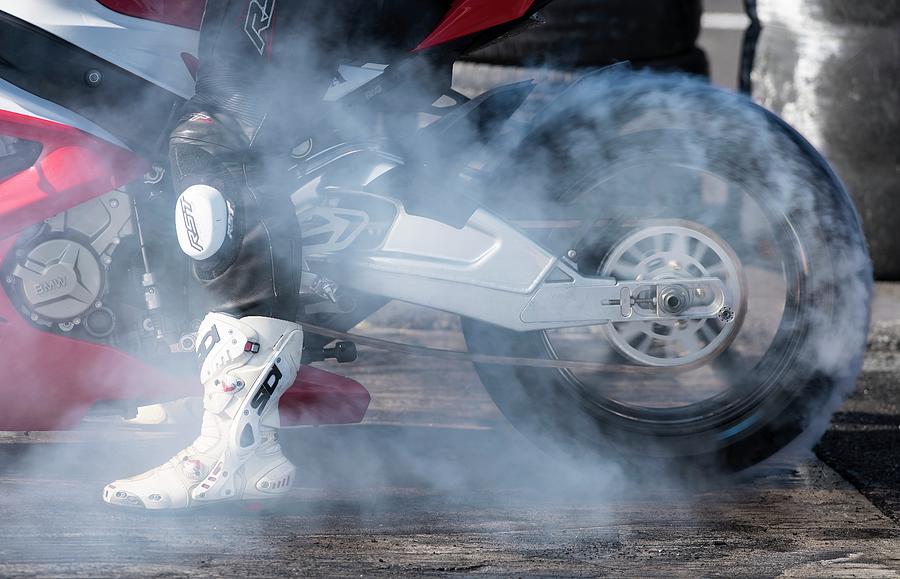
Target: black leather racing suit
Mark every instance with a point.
(263, 63)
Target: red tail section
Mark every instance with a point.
(464, 17)
(186, 13)
(467, 17)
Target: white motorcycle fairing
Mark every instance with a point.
(151, 50)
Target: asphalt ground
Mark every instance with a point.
(434, 482)
(863, 443)
(792, 518)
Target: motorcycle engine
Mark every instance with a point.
(58, 276)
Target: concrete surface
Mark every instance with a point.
(724, 22)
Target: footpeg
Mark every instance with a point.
(343, 352)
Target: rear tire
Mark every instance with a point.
(615, 123)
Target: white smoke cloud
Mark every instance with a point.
(663, 119)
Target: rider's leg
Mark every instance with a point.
(244, 241)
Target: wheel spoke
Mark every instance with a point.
(645, 344)
(633, 255)
(717, 270)
(708, 333)
(629, 330)
(680, 245)
(699, 252)
(687, 343)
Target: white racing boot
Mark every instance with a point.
(248, 363)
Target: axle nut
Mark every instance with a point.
(674, 299)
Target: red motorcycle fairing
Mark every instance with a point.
(72, 168)
(51, 381)
(467, 17)
(464, 17)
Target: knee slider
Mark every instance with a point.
(203, 221)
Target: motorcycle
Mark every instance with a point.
(644, 265)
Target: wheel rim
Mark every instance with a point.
(675, 250)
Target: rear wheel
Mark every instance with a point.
(654, 178)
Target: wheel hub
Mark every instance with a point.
(675, 250)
